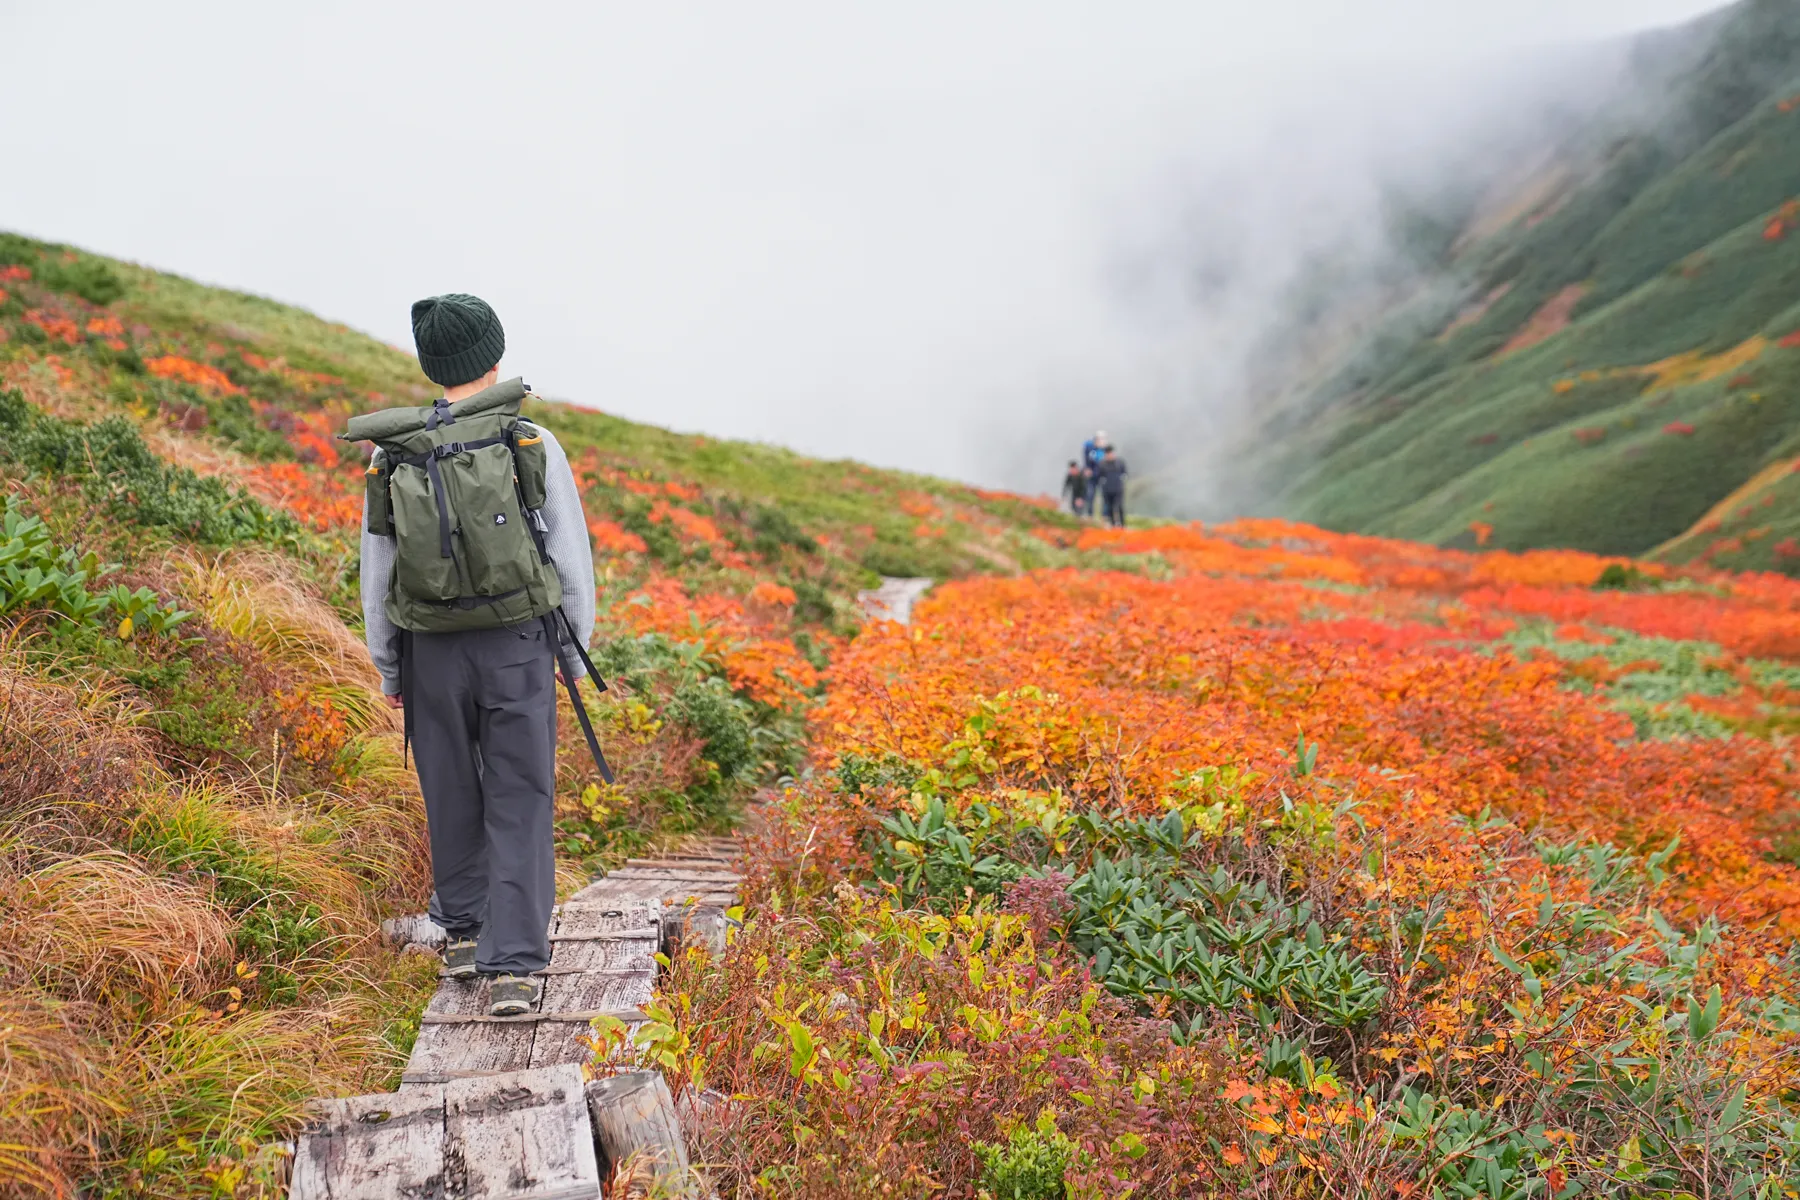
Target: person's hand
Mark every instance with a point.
(395, 700)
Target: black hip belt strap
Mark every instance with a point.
(551, 620)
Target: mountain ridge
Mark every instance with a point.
(1576, 386)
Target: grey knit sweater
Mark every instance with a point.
(567, 543)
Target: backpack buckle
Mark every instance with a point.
(448, 449)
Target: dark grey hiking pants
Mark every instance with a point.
(483, 707)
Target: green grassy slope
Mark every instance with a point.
(1628, 372)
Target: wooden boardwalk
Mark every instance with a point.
(493, 1107)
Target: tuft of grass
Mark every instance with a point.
(99, 927)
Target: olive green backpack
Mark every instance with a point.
(459, 486)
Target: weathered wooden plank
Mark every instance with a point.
(640, 1134)
(524, 1136)
(655, 890)
(677, 875)
(575, 1016)
(373, 1148)
(688, 862)
(474, 1046)
(481, 1047)
(619, 973)
(620, 996)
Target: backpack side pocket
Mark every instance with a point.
(378, 515)
(531, 462)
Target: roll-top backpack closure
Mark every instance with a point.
(392, 424)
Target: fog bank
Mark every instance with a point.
(953, 239)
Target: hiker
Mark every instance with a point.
(478, 582)
(1075, 489)
(1111, 476)
(1092, 451)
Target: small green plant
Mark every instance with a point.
(1029, 1165)
(34, 574)
(143, 610)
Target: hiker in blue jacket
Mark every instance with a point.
(1111, 475)
(1092, 451)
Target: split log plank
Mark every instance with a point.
(624, 978)
(576, 1016)
(523, 1137)
(372, 1148)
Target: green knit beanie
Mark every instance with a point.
(458, 336)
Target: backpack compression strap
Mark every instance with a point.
(562, 657)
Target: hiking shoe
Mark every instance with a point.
(513, 995)
(459, 958)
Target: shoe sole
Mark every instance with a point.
(469, 972)
(509, 1010)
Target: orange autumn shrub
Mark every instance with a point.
(202, 376)
(611, 538)
(756, 661)
(773, 594)
(692, 525)
(323, 500)
(1112, 688)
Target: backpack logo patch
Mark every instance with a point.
(499, 518)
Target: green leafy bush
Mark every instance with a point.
(1029, 1165)
(1165, 922)
(34, 574)
(774, 528)
(117, 468)
(737, 734)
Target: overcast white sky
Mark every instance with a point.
(882, 231)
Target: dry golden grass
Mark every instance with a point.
(124, 1056)
(52, 1101)
(254, 596)
(99, 927)
(63, 744)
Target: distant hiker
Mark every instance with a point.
(1092, 451)
(1111, 475)
(1075, 489)
(478, 581)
